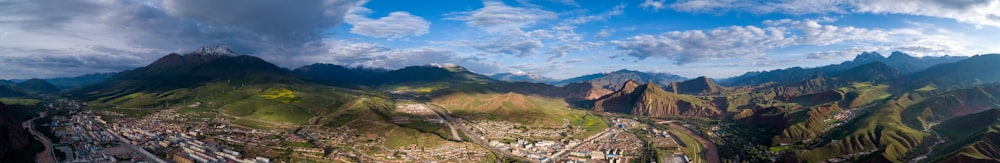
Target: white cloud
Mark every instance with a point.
(604, 33)
(78, 37)
(977, 12)
(742, 41)
(498, 17)
(655, 5)
(396, 25)
(373, 55)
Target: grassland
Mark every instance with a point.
(19, 101)
(286, 104)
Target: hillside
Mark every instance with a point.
(36, 86)
(652, 101)
(698, 86)
(14, 140)
(952, 104)
(969, 138)
(613, 80)
(980, 69)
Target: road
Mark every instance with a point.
(45, 156)
(559, 155)
(454, 133)
(145, 154)
(475, 139)
(711, 151)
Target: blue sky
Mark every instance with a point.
(554, 38)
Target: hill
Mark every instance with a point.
(969, 138)
(36, 86)
(652, 101)
(698, 86)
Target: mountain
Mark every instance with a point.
(613, 80)
(80, 81)
(173, 71)
(431, 74)
(652, 101)
(698, 86)
(522, 77)
(337, 75)
(36, 86)
(979, 69)
(8, 91)
(969, 138)
(902, 62)
(6, 82)
(13, 138)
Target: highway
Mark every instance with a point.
(472, 135)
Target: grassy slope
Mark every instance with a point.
(481, 103)
(882, 132)
(972, 136)
(295, 105)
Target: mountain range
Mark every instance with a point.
(881, 107)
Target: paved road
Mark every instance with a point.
(472, 135)
(454, 133)
(571, 147)
(711, 151)
(45, 156)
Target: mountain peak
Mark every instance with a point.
(217, 50)
(899, 55)
(869, 56)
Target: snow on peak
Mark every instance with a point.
(217, 50)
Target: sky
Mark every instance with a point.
(554, 38)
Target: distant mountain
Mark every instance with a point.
(649, 100)
(613, 80)
(698, 86)
(80, 81)
(522, 77)
(337, 75)
(36, 86)
(902, 62)
(431, 74)
(605, 83)
(980, 69)
(205, 64)
(6, 82)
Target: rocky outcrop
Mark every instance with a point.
(652, 101)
